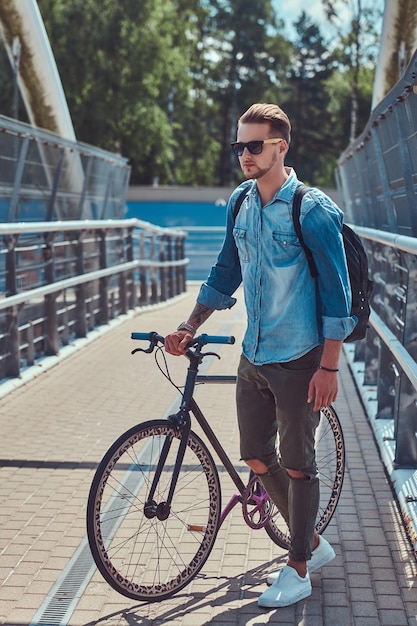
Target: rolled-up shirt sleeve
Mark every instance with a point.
(321, 227)
(338, 328)
(214, 299)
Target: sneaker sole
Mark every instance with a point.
(275, 604)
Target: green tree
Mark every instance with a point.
(340, 102)
(248, 56)
(306, 103)
(356, 45)
(123, 70)
(194, 113)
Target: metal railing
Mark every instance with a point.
(44, 177)
(384, 364)
(68, 260)
(377, 174)
(388, 354)
(377, 179)
(62, 279)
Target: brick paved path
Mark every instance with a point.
(56, 427)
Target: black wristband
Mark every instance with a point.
(327, 369)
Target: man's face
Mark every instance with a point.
(271, 157)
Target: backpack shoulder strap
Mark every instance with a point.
(239, 203)
(296, 209)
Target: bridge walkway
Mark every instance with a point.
(55, 428)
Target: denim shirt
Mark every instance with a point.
(288, 312)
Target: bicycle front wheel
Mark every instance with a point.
(330, 459)
(139, 553)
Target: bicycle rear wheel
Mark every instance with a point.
(139, 555)
(330, 459)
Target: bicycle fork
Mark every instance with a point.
(161, 510)
(182, 421)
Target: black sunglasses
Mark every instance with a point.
(254, 147)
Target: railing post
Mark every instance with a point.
(162, 270)
(81, 292)
(154, 273)
(170, 269)
(181, 268)
(143, 293)
(104, 281)
(177, 252)
(51, 318)
(12, 313)
(132, 297)
(65, 335)
(123, 307)
(30, 342)
(11, 265)
(12, 342)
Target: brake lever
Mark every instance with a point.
(211, 354)
(147, 351)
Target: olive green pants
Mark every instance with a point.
(277, 426)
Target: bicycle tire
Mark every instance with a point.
(151, 559)
(330, 459)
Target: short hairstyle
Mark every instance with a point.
(270, 114)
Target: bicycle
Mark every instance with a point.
(154, 507)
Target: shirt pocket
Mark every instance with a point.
(285, 249)
(240, 235)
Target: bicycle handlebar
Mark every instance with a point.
(202, 340)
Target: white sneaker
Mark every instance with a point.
(287, 589)
(322, 555)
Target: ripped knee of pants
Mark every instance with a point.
(257, 466)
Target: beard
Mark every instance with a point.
(254, 172)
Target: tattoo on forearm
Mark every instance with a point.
(199, 315)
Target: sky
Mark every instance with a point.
(290, 10)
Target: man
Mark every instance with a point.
(295, 330)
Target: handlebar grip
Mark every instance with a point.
(218, 339)
(147, 336)
(141, 336)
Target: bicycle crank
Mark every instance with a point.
(257, 508)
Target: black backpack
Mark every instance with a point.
(356, 258)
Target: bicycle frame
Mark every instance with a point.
(182, 420)
(208, 431)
